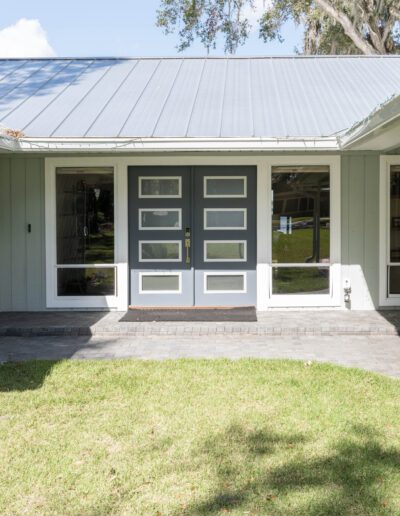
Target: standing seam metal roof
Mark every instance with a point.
(193, 97)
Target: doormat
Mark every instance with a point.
(235, 314)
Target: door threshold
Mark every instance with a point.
(231, 307)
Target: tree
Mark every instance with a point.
(330, 26)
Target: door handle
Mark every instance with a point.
(187, 244)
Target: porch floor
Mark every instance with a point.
(274, 323)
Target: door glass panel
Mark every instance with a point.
(300, 280)
(225, 251)
(225, 187)
(159, 187)
(395, 214)
(225, 219)
(225, 282)
(85, 216)
(160, 251)
(90, 281)
(160, 219)
(301, 214)
(160, 283)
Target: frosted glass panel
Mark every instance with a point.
(159, 187)
(156, 251)
(225, 251)
(225, 187)
(224, 282)
(160, 283)
(156, 219)
(221, 219)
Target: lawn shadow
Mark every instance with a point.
(349, 477)
(24, 376)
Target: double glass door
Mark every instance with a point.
(192, 236)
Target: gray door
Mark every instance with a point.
(192, 236)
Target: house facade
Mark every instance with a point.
(272, 182)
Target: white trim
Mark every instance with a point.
(384, 230)
(123, 145)
(163, 228)
(120, 299)
(160, 260)
(142, 196)
(225, 196)
(225, 273)
(223, 260)
(227, 228)
(160, 273)
(265, 238)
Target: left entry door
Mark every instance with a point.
(160, 239)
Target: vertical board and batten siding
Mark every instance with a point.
(360, 228)
(22, 256)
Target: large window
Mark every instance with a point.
(394, 232)
(85, 232)
(301, 230)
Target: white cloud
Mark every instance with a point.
(26, 38)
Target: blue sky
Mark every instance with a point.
(107, 28)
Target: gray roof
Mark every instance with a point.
(193, 97)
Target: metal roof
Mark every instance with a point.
(193, 97)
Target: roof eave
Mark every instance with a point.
(121, 145)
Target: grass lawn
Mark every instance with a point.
(197, 437)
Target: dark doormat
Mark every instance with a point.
(234, 314)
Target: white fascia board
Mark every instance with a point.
(121, 145)
(363, 134)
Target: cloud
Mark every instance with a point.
(26, 38)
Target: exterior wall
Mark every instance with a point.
(22, 258)
(22, 254)
(360, 228)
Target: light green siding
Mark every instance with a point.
(22, 256)
(360, 226)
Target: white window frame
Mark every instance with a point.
(228, 196)
(119, 301)
(223, 228)
(385, 299)
(265, 297)
(156, 228)
(160, 260)
(160, 273)
(224, 260)
(225, 273)
(178, 196)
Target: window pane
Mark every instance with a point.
(394, 280)
(395, 213)
(222, 251)
(160, 283)
(300, 280)
(85, 216)
(225, 282)
(156, 251)
(86, 282)
(159, 187)
(301, 214)
(154, 219)
(225, 219)
(225, 187)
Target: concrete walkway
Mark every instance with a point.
(374, 353)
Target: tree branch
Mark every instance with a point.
(348, 27)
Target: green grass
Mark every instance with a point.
(297, 247)
(197, 437)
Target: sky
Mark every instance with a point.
(88, 28)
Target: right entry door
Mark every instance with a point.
(224, 245)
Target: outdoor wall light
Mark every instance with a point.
(347, 290)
